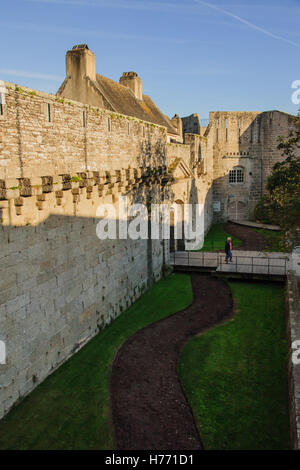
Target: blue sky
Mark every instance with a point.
(192, 55)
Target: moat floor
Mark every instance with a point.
(251, 240)
(149, 408)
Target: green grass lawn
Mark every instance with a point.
(70, 409)
(216, 237)
(235, 375)
(273, 239)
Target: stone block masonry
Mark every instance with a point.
(41, 134)
(59, 160)
(59, 284)
(247, 141)
(293, 334)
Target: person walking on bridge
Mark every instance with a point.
(228, 250)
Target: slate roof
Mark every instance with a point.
(123, 101)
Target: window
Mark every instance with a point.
(226, 132)
(84, 119)
(259, 131)
(1, 104)
(236, 175)
(108, 124)
(128, 128)
(49, 112)
(217, 130)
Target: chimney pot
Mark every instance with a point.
(132, 80)
(80, 62)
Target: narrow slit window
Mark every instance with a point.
(128, 128)
(1, 104)
(49, 112)
(217, 130)
(84, 119)
(109, 124)
(143, 131)
(226, 131)
(239, 130)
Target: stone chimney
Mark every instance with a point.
(80, 62)
(177, 123)
(133, 81)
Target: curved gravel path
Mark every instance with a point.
(149, 408)
(251, 240)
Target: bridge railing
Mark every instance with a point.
(254, 265)
(190, 258)
(240, 263)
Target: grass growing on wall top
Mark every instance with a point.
(70, 409)
(235, 375)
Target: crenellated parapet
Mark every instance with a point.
(21, 199)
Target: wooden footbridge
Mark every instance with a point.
(245, 264)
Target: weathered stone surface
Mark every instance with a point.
(293, 333)
(59, 160)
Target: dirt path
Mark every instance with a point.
(251, 240)
(149, 408)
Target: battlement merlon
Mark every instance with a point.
(28, 201)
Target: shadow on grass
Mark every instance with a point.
(71, 408)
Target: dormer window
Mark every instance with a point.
(236, 175)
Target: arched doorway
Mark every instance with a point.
(237, 210)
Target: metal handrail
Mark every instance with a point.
(266, 263)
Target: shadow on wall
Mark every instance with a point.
(243, 160)
(60, 284)
(197, 213)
